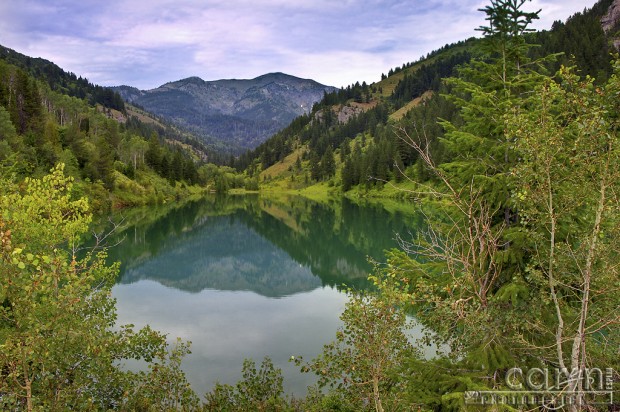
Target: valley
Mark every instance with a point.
(426, 241)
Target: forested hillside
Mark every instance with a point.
(59, 80)
(347, 151)
(120, 156)
(507, 145)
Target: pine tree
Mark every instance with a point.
(165, 166)
(470, 254)
(399, 168)
(103, 163)
(298, 164)
(8, 138)
(316, 171)
(348, 178)
(153, 154)
(7, 129)
(328, 164)
(176, 167)
(356, 165)
(345, 148)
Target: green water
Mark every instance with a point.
(246, 277)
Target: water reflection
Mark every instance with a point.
(245, 277)
(227, 327)
(246, 243)
(224, 254)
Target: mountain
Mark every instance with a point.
(236, 114)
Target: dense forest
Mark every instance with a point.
(509, 146)
(63, 82)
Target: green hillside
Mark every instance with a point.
(359, 122)
(119, 155)
(506, 147)
(60, 81)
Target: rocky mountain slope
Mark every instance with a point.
(231, 114)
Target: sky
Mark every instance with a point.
(146, 43)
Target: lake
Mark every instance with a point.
(248, 277)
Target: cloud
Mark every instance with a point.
(337, 43)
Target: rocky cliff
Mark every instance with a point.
(610, 22)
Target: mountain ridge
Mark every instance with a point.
(237, 113)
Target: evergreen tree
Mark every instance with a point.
(328, 164)
(190, 172)
(348, 177)
(7, 129)
(356, 164)
(345, 148)
(102, 163)
(165, 166)
(153, 154)
(8, 139)
(176, 167)
(298, 164)
(316, 171)
(23, 102)
(399, 168)
(470, 253)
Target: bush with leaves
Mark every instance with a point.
(362, 365)
(60, 346)
(259, 390)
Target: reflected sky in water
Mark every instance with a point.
(226, 327)
(247, 278)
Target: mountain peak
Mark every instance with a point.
(284, 78)
(277, 75)
(195, 80)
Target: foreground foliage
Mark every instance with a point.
(363, 364)
(60, 346)
(518, 267)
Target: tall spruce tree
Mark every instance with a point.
(328, 163)
(464, 274)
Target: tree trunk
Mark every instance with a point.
(375, 390)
